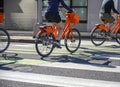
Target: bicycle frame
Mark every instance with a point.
(67, 29)
(53, 30)
(115, 29)
(45, 38)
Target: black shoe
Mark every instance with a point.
(108, 35)
(57, 44)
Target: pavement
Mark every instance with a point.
(21, 36)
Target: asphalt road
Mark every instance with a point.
(89, 62)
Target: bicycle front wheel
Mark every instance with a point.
(118, 37)
(4, 40)
(98, 37)
(44, 44)
(73, 41)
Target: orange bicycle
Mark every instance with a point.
(101, 33)
(4, 36)
(44, 40)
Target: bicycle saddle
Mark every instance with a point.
(43, 26)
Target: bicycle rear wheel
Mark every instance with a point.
(98, 37)
(73, 41)
(118, 37)
(44, 44)
(4, 40)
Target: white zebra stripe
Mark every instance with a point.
(55, 80)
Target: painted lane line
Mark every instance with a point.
(55, 80)
(68, 65)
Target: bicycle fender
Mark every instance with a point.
(93, 29)
(100, 26)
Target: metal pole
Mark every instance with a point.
(39, 11)
(39, 17)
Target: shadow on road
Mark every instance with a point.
(97, 58)
(4, 67)
(11, 58)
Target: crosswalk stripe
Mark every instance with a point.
(105, 68)
(55, 80)
(115, 58)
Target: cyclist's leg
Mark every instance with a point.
(105, 17)
(55, 19)
(110, 20)
(113, 22)
(58, 38)
(58, 24)
(60, 30)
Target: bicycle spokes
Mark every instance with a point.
(98, 37)
(4, 40)
(44, 45)
(118, 37)
(72, 42)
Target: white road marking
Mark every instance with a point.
(94, 67)
(55, 80)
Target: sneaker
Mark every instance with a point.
(57, 44)
(108, 35)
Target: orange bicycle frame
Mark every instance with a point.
(101, 27)
(70, 18)
(116, 28)
(67, 29)
(48, 30)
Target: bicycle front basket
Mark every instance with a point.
(74, 18)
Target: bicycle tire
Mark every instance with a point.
(118, 37)
(4, 40)
(98, 37)
(73, 41)
(44, 43)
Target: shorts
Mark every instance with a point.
(106, 18)
(53, 17)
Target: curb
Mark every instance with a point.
(22, 40)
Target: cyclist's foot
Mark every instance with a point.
(57, 44)
(108, 35)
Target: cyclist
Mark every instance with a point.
(52, 15)
(106, 12)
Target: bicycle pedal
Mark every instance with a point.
(73, 40)
(108, 37)
(58, 47)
